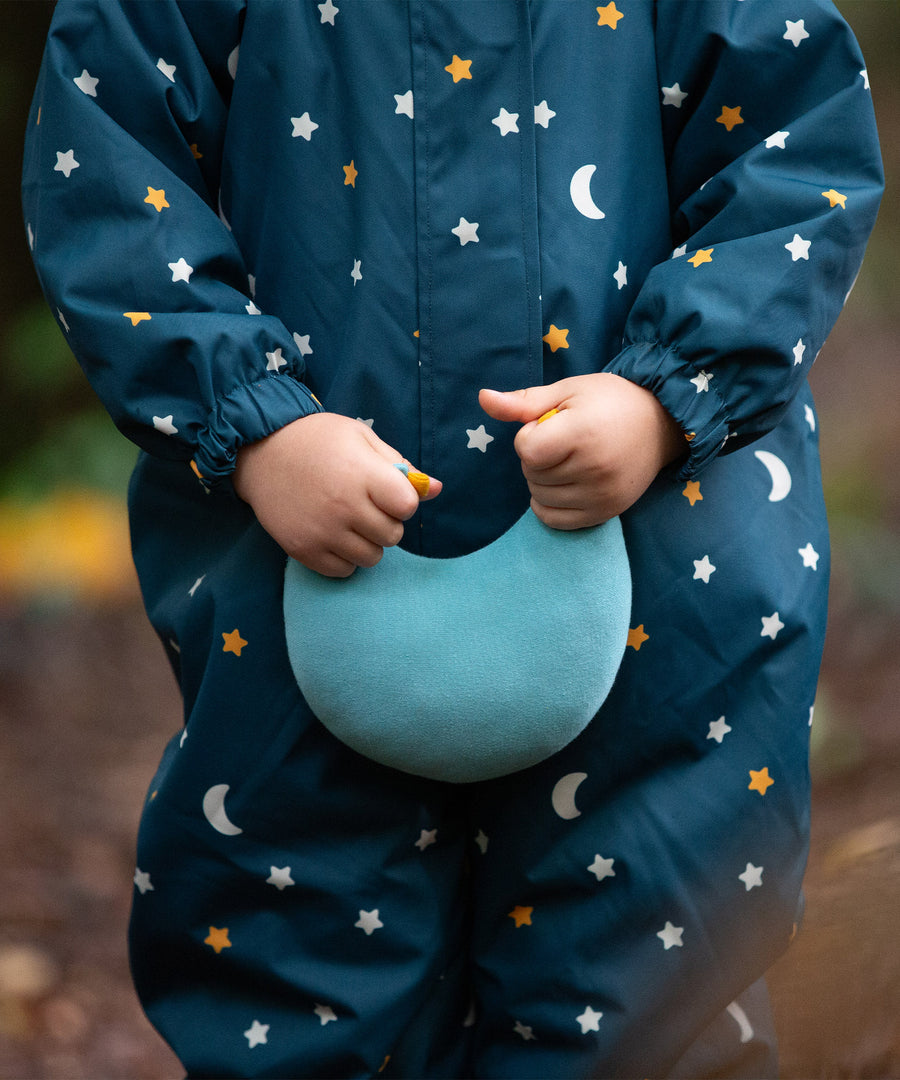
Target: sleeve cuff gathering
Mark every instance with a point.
(245, 415)
(688, 395)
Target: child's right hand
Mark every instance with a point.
(325, 487)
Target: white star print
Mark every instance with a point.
(810, 417)
(718, 729)
(167, 69)
(30, 232)
(370, 423)
(62, 320)
(196, 585)
(142, 880)
(303, 127)
(602, 868)
(670, 936)
(478, 438)
(506, 122)
(524, 1030)
(751, 877)
(252, 309)
(482, 841)
(426, 838)
(257, 1034)
(302, 343)
(280, 877)
(621, 275)
(275, 360)
(165, 425)
(771, 624)
(86, 83)
(328, 12)
(589, 1020)
(679, 251)
(799, 248)
(810, 556)
(180, 270)
(798, 351)
(543, 114)
(65, 162)
(325, 1014)
(404, 104)
(369, 921)
(796, 32)
(865, 78)
(703, 568)
(356, 272)
(777, 138)
(673, 95)
(812, 710)
(702, 381)
(466, 231)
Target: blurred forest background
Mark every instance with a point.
(86, 699)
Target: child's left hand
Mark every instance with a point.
(597, 454)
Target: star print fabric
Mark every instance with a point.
(244, 213)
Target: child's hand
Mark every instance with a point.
(325, 487)
(594, 457)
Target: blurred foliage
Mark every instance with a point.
(57, 433)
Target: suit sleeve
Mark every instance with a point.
(120, 192)
(775, 178)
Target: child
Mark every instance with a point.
(290, 242)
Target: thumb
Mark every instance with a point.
(522, 406)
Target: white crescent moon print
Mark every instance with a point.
(779, 474)
(214, 810)
(563, 797)
(580, 190)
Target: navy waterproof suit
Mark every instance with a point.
(242, 213)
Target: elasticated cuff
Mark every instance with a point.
(686, 393)
(246, 415)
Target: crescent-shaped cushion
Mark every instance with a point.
(468, 668)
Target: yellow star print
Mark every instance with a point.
(136, 316)
(218, 938)
(704, 255)
(350, 174)
(556, 338)
(521, 915)
(730, 117)
(459, 69)
(835, 198)
(156, 198)
(692, 492)
(233, 642)
(760, 780)
(637, 637)
(195, 151)
(609, 15)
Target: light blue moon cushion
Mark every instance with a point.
(469, 668)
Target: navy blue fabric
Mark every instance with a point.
(241, 214)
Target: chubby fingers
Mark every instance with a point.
(521, 406)
(395, 486)
(546, 445)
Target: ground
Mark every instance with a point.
(86, 702)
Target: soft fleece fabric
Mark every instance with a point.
(233, 207)
(439, 666)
